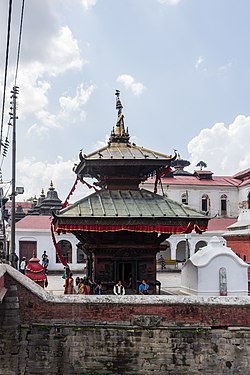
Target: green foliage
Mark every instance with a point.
(201, 164)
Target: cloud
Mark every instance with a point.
(71, 108)
(224, 69)
(199, 62)
(63, 53)
(224, 149)
(169, 2)
(39, 67)
(35, 175)
(87, 4)
(71, 104)
(129, 83)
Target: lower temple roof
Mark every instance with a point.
(128, 203)
(129, 210)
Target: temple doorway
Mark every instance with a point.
(27, 249)
(124, 273)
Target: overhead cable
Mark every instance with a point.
(5, 71)
(19, 41)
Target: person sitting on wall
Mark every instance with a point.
(119, 289)
(98, 288)
(143, 287)
(77, 284)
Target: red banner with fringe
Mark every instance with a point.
(171, 229)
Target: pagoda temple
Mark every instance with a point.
(121, 227)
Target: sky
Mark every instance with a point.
(182, 66)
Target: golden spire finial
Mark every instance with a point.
(119, 135)
(120, 123)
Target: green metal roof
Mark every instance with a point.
(128, 203)
(126, 151)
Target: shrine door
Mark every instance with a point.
(26, 249)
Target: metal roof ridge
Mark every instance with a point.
(184, 210)
(167, 200)
(138, 209)
(101, 204)
(113, 203)
(159, 206)
(126, 208)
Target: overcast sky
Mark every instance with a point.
(182, 66)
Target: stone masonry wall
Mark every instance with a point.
(96, 350)
(133, 335)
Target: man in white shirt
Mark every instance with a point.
(23, 265)
(119, 289)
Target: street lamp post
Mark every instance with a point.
(13, 256)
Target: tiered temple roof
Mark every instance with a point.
(119, 168)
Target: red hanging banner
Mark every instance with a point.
(66, 202)
(62, 260)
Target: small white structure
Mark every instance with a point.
(215, 270)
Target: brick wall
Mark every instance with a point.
(172, 311)
(133, 335)
(240, 245)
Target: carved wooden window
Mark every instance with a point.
(204, 203)
(184, 198)
(223, 204)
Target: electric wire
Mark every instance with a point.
(6, 142)
(5, 70)
(19, 41)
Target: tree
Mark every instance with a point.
(201, 164)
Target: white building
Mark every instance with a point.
(220, 197)
(33, 235)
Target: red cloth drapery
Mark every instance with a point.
(159, 174)
(62, 260)
(66, 202)
(171, 229)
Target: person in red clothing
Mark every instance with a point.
(69, 284)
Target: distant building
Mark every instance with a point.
(220, 197)
(33, 232)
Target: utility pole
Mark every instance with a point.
(13, 256)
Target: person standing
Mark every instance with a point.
(45, 262)
(22, 265)
(162, 262)
(69, 284)
(143, 287)
(119, 289)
